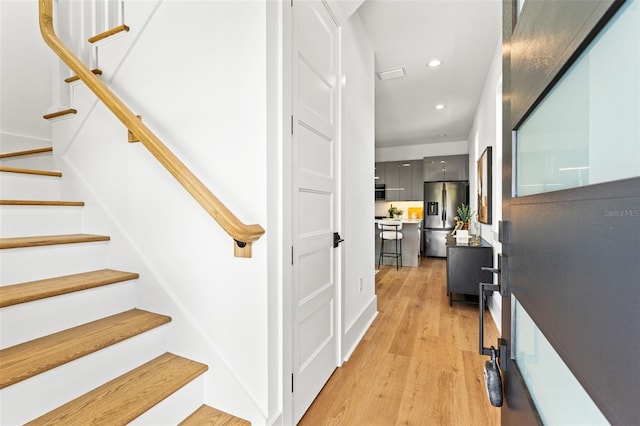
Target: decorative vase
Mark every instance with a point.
(465, 225)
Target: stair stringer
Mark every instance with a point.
(223, 389)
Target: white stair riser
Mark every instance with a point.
(28, 321)
(40, 394)
(34, 161)
(23, 221)
(13, 143)
(19, 186)
(36, 263)
(175, 408)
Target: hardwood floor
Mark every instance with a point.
(418, 364)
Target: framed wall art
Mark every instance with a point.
(484, 185)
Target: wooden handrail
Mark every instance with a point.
(243, 234)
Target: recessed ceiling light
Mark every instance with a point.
(442, 135)
(439, 106)
(434, 63)
(393, 73)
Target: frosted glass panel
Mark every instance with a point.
(587, 129)
(519, 4)
(556, 393)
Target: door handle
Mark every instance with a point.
(488, 288)
(484, 287)
(501, 272)
(337, 239)
(492, 367)
(444, 203)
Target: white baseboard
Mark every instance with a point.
(356, 332)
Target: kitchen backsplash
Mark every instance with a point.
(382, 207)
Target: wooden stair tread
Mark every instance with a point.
(35, 290)
(208, 416)
(60, 113)
(73, 78)
(30, 171)
(28, 359)
(46, 240)
(123, 399)
(41, 203)
(111, 32)
(27, 152)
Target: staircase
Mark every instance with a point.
(74, 349)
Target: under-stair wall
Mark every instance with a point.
(74, 347)
(195, 72)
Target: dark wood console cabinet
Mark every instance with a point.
(464, 267)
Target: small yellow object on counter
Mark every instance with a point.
(415, 212)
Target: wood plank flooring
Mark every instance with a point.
(418, 364)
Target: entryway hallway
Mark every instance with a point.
(418, 364)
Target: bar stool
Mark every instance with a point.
(390, 231)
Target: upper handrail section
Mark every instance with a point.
(243, 234)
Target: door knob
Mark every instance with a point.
(336, 239)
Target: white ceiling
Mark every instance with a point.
(463, 34)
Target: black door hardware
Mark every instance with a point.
(336, 239)
(492, 376)
(493, 379)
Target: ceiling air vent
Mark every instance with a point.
(389, 74)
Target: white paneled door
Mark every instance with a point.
(314, 201)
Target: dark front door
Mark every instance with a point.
(571, 212)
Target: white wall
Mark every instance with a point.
(25, 78)
(196, 72)
(486, 131)
(417, 152)
(358, 138)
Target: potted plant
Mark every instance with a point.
(464, 215)
(394, 212)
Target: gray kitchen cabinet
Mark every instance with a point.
(433, 169)
(394, 189)
(417, 181)
(379, 173)
(446, 168)
(392, 175)
(457, 167)
(402, 179)
(404, 174)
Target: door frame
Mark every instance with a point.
(287, 204)
(525, 84)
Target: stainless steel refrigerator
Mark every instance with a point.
(441, 200)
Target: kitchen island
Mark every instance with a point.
(411, 233)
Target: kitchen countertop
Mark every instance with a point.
(411, 234)
(403, 220)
